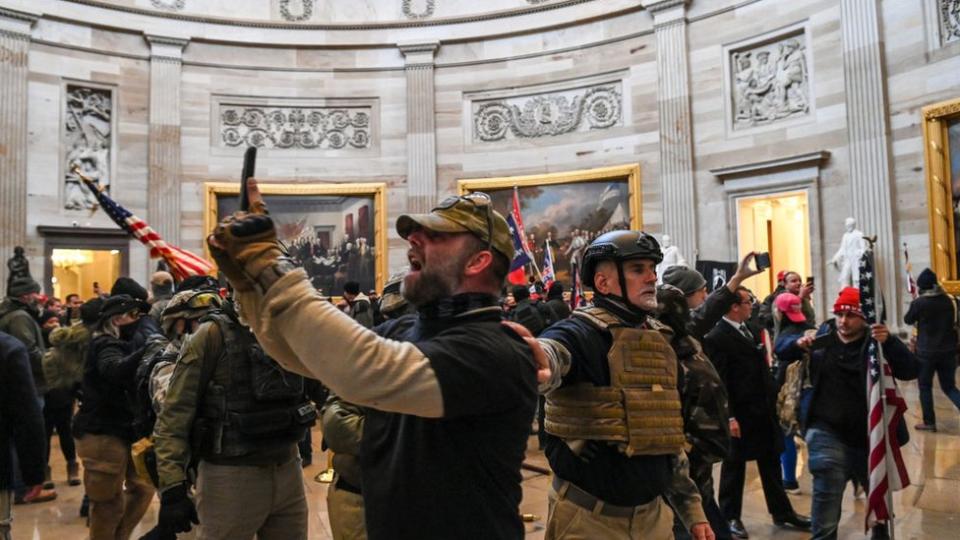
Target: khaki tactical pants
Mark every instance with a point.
(118, 497)
(240, 502)
(346, 513)
(568, 521)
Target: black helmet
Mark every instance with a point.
(618, 246)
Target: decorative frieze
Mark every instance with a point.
(548, 114)
(303, 14)
(294, 127)
(426, 7)
(169, 5)
(87, 142)
(949, 20)
(770, 81)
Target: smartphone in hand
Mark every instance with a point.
(762, 260)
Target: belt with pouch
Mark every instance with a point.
(579, 497)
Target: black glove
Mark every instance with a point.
(158, 533)
(177, 511)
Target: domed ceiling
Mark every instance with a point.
(347, 12)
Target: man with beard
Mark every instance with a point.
(613, 414)
(450, 392)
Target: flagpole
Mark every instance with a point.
(879, 306)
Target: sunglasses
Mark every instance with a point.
(479, 200)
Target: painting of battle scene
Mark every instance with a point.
(333, 237)
(569, 216)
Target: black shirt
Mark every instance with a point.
(840, 405)
(457, 476)
(933, 314)
(610, 476)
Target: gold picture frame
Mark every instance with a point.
(937, 118)
(579, 192)
(219, 194)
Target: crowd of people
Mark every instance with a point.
(205, 396)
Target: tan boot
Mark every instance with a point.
(73, 473)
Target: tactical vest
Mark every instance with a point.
(250, 404)
(640, 410)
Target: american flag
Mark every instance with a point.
(182, 263)
(885, 410)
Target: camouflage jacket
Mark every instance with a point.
(703, 397)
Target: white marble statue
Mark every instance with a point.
(847, 258)
(671, 257)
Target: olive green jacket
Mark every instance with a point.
(20, 323)
(342, 425)
(63, 362)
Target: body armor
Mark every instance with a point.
(640, 410)
(250, 404)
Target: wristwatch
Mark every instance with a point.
(272, 273)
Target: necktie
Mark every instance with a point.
(746, 331)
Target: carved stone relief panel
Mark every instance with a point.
(87, 142)
(296, 10)
(418, 9)
(321, 127)
(169, 5)
(548, 114)
(769, 81)
(949, 20)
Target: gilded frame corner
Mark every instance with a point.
(376, 190)
(943, 252)
(602, 174)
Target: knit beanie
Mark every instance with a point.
(90, 310)
(926, 280)
(125, 285)
(686, 279)
(22, 285)
(848, 301)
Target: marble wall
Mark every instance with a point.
(578, 85)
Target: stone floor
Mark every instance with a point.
(929, 509)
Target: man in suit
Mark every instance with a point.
(740, 360)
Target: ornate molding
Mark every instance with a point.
(769, 81)
(306, 11)
(169, 5)
(87, 141)
(407, 7)
(938, 111)
(294, 127)
(949, 20)
(548, 114)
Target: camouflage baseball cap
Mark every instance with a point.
(471, 213)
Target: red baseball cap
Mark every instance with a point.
(790, 305)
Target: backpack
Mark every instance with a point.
(790, 394)
(529, 316)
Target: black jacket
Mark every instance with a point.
(751, 390)
(18, 320)
(109, 389)
(21, 420)
(705, 317)
(933, 315)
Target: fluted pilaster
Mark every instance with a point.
(163, 193)
(869, 138)
(676, 142)
(421, 126)
(15, 27)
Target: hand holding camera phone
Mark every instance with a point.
(762, 260)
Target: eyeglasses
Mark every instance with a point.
(479, 200)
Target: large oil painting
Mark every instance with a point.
(336, 232)
(566, 210)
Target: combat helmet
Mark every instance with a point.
(189, 304)
(618, 246)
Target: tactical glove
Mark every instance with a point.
(177, 511)
(245, 246)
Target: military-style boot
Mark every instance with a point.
(73, 473)
(47, 478)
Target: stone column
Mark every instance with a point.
(163, 186)
(15, 28)
(869, 140)
(676, 142)
(421, 126)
